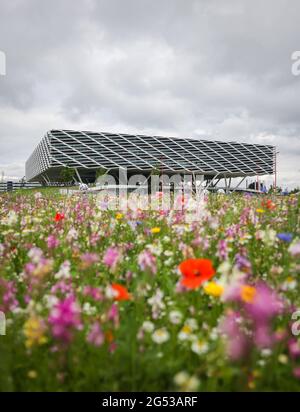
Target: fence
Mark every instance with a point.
(9, 186)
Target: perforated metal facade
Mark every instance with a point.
(87, 151)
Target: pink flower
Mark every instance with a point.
(113, 315)
(296, 372)
(265, 305)
(255, 317)
(52, 242)
(147, 262)
(93, 292)
(88, 259)
(294, 249)
(8, 293)
(96, 336)
(63, 287)
(294, 348)
(237, 342)
(112, 257)
(64, 319)
(222, 249)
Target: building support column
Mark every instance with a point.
(78, 175)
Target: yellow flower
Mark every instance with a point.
(260, 210)
(34, 331)
(248, 293)
(155, 230)
(32, 374)
(213, 289)
(119, 216)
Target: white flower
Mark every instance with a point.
(64, 271)
(72, 235)
(38, 195)
(110, 293)
(89, 309)
(199, 347)
(160, 336)
(186, 382)
(224, 268)
(148, 326)
(175, 317)
(267, 236)
(11, 219)
(192, 323)
(35, 254)
(266, 352)
(156, 301)
(185, 333)
(168, 253)
(181, 377)
(50, 301)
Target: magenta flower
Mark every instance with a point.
(64, 319)
(8, 293)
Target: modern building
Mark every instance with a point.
(87, 152)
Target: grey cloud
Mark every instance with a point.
(208, 69)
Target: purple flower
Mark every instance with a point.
(222, 250)
(147, 262)
(243, 263)
(285, 237)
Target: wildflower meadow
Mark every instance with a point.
(144, 300)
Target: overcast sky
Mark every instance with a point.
(191, 68)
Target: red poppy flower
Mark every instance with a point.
(121, 292)
(195, 272)
(59, 217)
(268, 204)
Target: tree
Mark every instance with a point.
(100, 172)
(66, 175)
